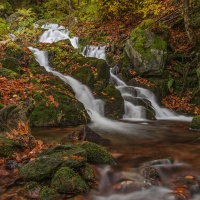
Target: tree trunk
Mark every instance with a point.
(187, 21)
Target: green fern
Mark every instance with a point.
(170, 83)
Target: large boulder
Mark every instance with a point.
(146, 51)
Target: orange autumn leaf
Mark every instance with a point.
(65, 158)
(77, 157)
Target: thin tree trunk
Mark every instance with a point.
(187, 21)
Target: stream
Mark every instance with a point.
(139, 144)
(167, 145)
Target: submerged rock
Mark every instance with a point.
(195, 123)
(83, 133)
(66, 180)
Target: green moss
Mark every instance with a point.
(39, 169)
(97, 154)
(84, 75)
(87, 173)
(66, 180)
(47, 193)
(31, 185)
(143, 44)
(1, 106)
(8, 73)
(11, 64)
(7, 146)
(195, 123)
(3, 26)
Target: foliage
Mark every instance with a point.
(170, 83)
(3, 27)
(89, 12)
(150, 8)
(56, 8)
(112, 9)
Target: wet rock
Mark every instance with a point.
(151, 175)
(164, 161)
(10, 164)
(40, 168)
(195, 123)
(66, 180)
(83, 133)
(97, 154)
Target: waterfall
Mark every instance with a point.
(94, 51)
(55, 33)
(95, 107)
(133, 111)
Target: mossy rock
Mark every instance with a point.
(195, 123)
(39, 169)
(32, 189)
(97, 154)
(72, 156)
(8, 146)
(87, 173)
(8, 73)
(68, 112)
(114, 103)
(66, 180)
(11, 64)
(146, 51)
(47, 193)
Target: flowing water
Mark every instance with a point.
(132, 143)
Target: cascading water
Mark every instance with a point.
(55, 33)
(132, 110)
(83, 94)
(95, 109)
(94, 51)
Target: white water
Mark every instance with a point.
(94, 51)
(94, 106)
(133, 111)
(55, 33)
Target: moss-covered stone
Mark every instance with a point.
(97, 154)
(147, 51)
(32, 189)
(195, 123)
(87, 173)
(47, 193)
(72, 156)
(66, 180)
(11, 64)
(7, 146)
(8, 73)
(114, 103)
(39, 169)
